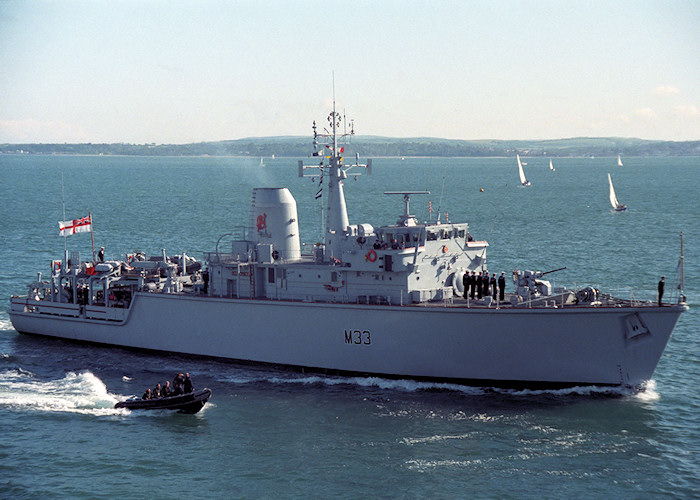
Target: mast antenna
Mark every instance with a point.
(442, 191)
(681, 286)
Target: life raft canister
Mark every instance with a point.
(371, 256)
(458, 283)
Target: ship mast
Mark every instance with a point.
(336, 208)
(336, 172)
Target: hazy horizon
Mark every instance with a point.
(357, 137)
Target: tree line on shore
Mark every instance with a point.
(372, 146)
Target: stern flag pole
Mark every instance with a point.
(92, 236)
(65, 235)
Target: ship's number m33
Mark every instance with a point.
(358, 337)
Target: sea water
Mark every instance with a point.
(273, 433)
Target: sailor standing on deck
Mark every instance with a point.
(479, 285)
(101, 255)
(661, 289)
(205, 280)
(485, 284)
(466, 281)
(494, 288)
(502, 286)
(472, 284)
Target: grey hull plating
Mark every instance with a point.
(543, 346)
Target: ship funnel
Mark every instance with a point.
(273, 224)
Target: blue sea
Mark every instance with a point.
(272, 433)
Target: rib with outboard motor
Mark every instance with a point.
(184, 403)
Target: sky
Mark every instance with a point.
(174, 72)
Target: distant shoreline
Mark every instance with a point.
(376, 147)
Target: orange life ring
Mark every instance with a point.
(371, 256)
(444, 248)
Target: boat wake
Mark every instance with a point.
(648, 393)
(5, 323)
(75, 393)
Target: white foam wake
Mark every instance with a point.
(416, 386)
(75, 393)
(5, 323)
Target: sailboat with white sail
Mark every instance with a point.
(617, 206)
(551, 167)
(521, 172)
(619, 161)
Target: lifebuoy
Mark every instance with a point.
(444, 248)
(371, 256)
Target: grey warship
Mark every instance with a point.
(385, 301)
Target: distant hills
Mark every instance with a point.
(374, 146)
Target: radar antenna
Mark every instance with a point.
(406, 219)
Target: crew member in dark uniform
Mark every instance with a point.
(485, 284)
(466, 281)
(502, 286)
(472, 283)
(479, 286)
(188, 384)
(205, 280)
(101, 255)
(494, 288)
(177, 384)
(661, 289)
(165, 391)
(147, 394)
(156, 391)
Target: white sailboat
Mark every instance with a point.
(262, 163)
(619, 207)
(521, 172)
(551, 167)
(619, 161)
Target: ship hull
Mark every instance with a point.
(486, 346)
